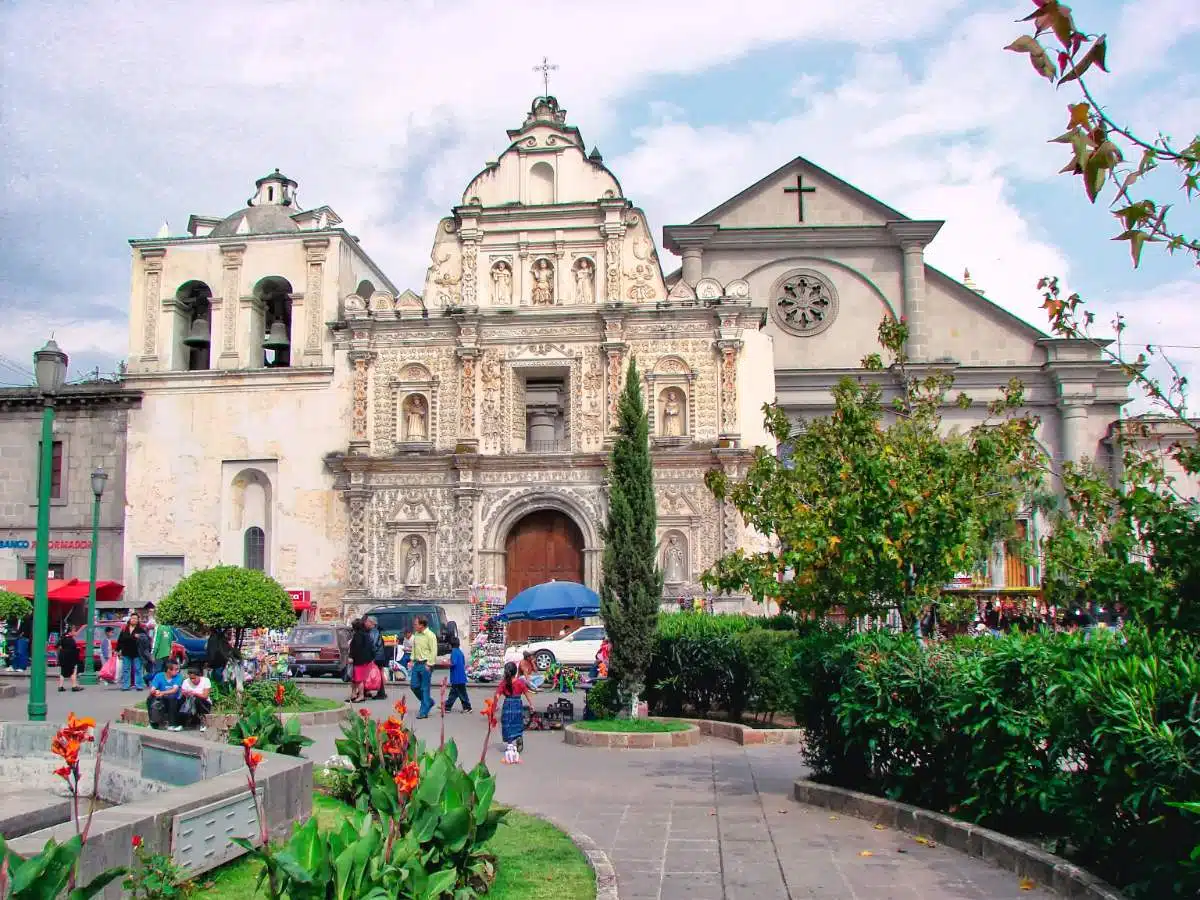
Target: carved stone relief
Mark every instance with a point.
(729, 396)
(231, 278)
(470, 252)
(396, 516)
(152, 262)
(541, 291)
(692, 354)
(491, 384)
(313, 306)
(358, 418)
(584, 272)
(424, 369)
(592, 416)
(466, 416)
(502, 283)
(616, 373)
(612, 268)
(464, 532)
(357, 539)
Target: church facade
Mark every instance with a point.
(364, 444)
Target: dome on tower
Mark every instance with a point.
(269, 211)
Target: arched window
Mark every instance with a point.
(256, 549)
(541, 184)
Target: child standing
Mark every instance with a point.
(458, 677)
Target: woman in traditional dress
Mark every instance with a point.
(515, 695)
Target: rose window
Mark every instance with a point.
(805, 304)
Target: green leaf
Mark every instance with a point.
(97, 885)
(440, 883)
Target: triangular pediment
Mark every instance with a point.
(775, 202)
(412, 511)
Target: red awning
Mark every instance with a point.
(70, 590)
(302, 605)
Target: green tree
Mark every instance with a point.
(228, 597)
(870, 516)
(631, 583)
(14, 607)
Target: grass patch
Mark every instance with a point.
(631, 726)
(534, 861)
(304, 704)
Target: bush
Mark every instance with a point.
(227, 597)
(1080, 742)
(255, 694)
(14, 607)
(603, 700)
(270, 732)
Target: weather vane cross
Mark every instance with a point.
(546, 68)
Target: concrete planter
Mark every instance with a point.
(219, 724)
(661, 740)
(745, 734)
(1018, 856)
(203, 798)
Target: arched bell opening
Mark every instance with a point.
(193, 304)
(274, 293)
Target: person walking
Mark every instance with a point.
(131, 660)
(68, 662)
(458, 677)
(379, 648)
(424, 656)
(515, 693)
(145, 644)
(362, 657)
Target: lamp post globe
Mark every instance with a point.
(88, 676)
(50, 370)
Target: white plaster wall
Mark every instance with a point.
(831, 203)
(576, 179)
(756, 386)
(970, 329)
(178, 443)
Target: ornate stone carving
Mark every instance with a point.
(400, 371)
(382, 301)
(541, 292)
(592, 430)
(416, 411)
(152, 264)
(357, 538)
(674, 561)
(315, 255)
(696, 356)
(466, 415)
(502, 283)
(804, 302)
(674, 406)
(614, 356)
(358, 418)
(585, 281)
(414, 562)
(612, 268)
(491, 378)
(729, 397)
(231, 258)
(470, 252)
(465, 535)
(708, 289)
(738, 289)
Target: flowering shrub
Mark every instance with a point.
(562, 678)
(270, 731)
(158, 876)
(53, 871)
(421, 822)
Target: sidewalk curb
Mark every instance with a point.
(606, 875)
(999, 849)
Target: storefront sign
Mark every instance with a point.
(300, 596)
(53, 545)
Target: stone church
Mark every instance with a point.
(364, 444)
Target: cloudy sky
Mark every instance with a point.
(120, 115)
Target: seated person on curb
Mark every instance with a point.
(163, 705)
(195, 700)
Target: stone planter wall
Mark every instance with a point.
(220, 723)
(660, 740)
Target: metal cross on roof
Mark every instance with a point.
(545, 68)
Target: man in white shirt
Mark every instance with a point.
(195, 698)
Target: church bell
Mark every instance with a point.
(197, 335)
(277, 337)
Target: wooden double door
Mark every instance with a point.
(544, 546)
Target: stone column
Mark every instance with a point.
(315, 250)
(226, 330)
(360, 438)
(255, 317)
(152, 266)
(1074, 414)
(914, 301)
(466, 397)
(357, 541)
(692, 265)
(729, 428)
(464, 539)
(614, 354)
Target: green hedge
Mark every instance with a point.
(1080, 744)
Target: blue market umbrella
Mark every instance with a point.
(552, 600)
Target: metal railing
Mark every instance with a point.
(546, 446)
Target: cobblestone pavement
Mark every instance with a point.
(711, 822)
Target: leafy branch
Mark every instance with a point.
(1095, 138)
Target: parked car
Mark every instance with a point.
(579, 648)
(318, 649)
(193, 646)
(394, 621)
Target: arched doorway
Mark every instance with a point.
(545, 545)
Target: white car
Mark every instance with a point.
(579, 648)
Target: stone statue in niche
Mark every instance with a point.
(585, 281)
(543, 283)
(501, 284)
(415, 418)
(672, 415)
(414, 563)
(673, 562)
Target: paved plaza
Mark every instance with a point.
(711, 822)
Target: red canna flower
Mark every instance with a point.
(408, 778)
(279, 694)
(253, 759)
(137, 842)
(63, 772)
(250, 741)
(401, 708)
(489, 711)
(366, 714)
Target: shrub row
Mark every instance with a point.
(1083, 745)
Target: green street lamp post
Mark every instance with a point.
(99, 477)
(50, 369)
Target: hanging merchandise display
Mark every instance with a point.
(486, 659)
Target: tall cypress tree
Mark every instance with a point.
(631, 583)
